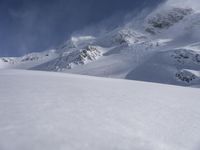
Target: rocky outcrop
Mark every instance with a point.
(165, 20)
(72, 59)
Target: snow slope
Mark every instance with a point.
(176, 66)
(48, 111)
(28, 61)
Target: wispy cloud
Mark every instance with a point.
(35, 25)
(195, 4)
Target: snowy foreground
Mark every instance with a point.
(56, 111)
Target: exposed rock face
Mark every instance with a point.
(186, 76)
(184, 56)
(89, 53)
(32, 57)
(166, 20)
(74, 58)
(6, 60)
(121, 36)
(128, 36)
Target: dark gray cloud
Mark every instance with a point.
(35, 25)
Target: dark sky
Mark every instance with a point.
(36, 25)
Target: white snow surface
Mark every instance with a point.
(57, 111)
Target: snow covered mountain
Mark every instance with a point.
(164, 48)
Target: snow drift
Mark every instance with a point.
(48, 111)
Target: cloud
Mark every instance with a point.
(195, 4)
(35, 25)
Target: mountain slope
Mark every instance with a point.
(178, 66)
(29, 60)
(44, 110)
